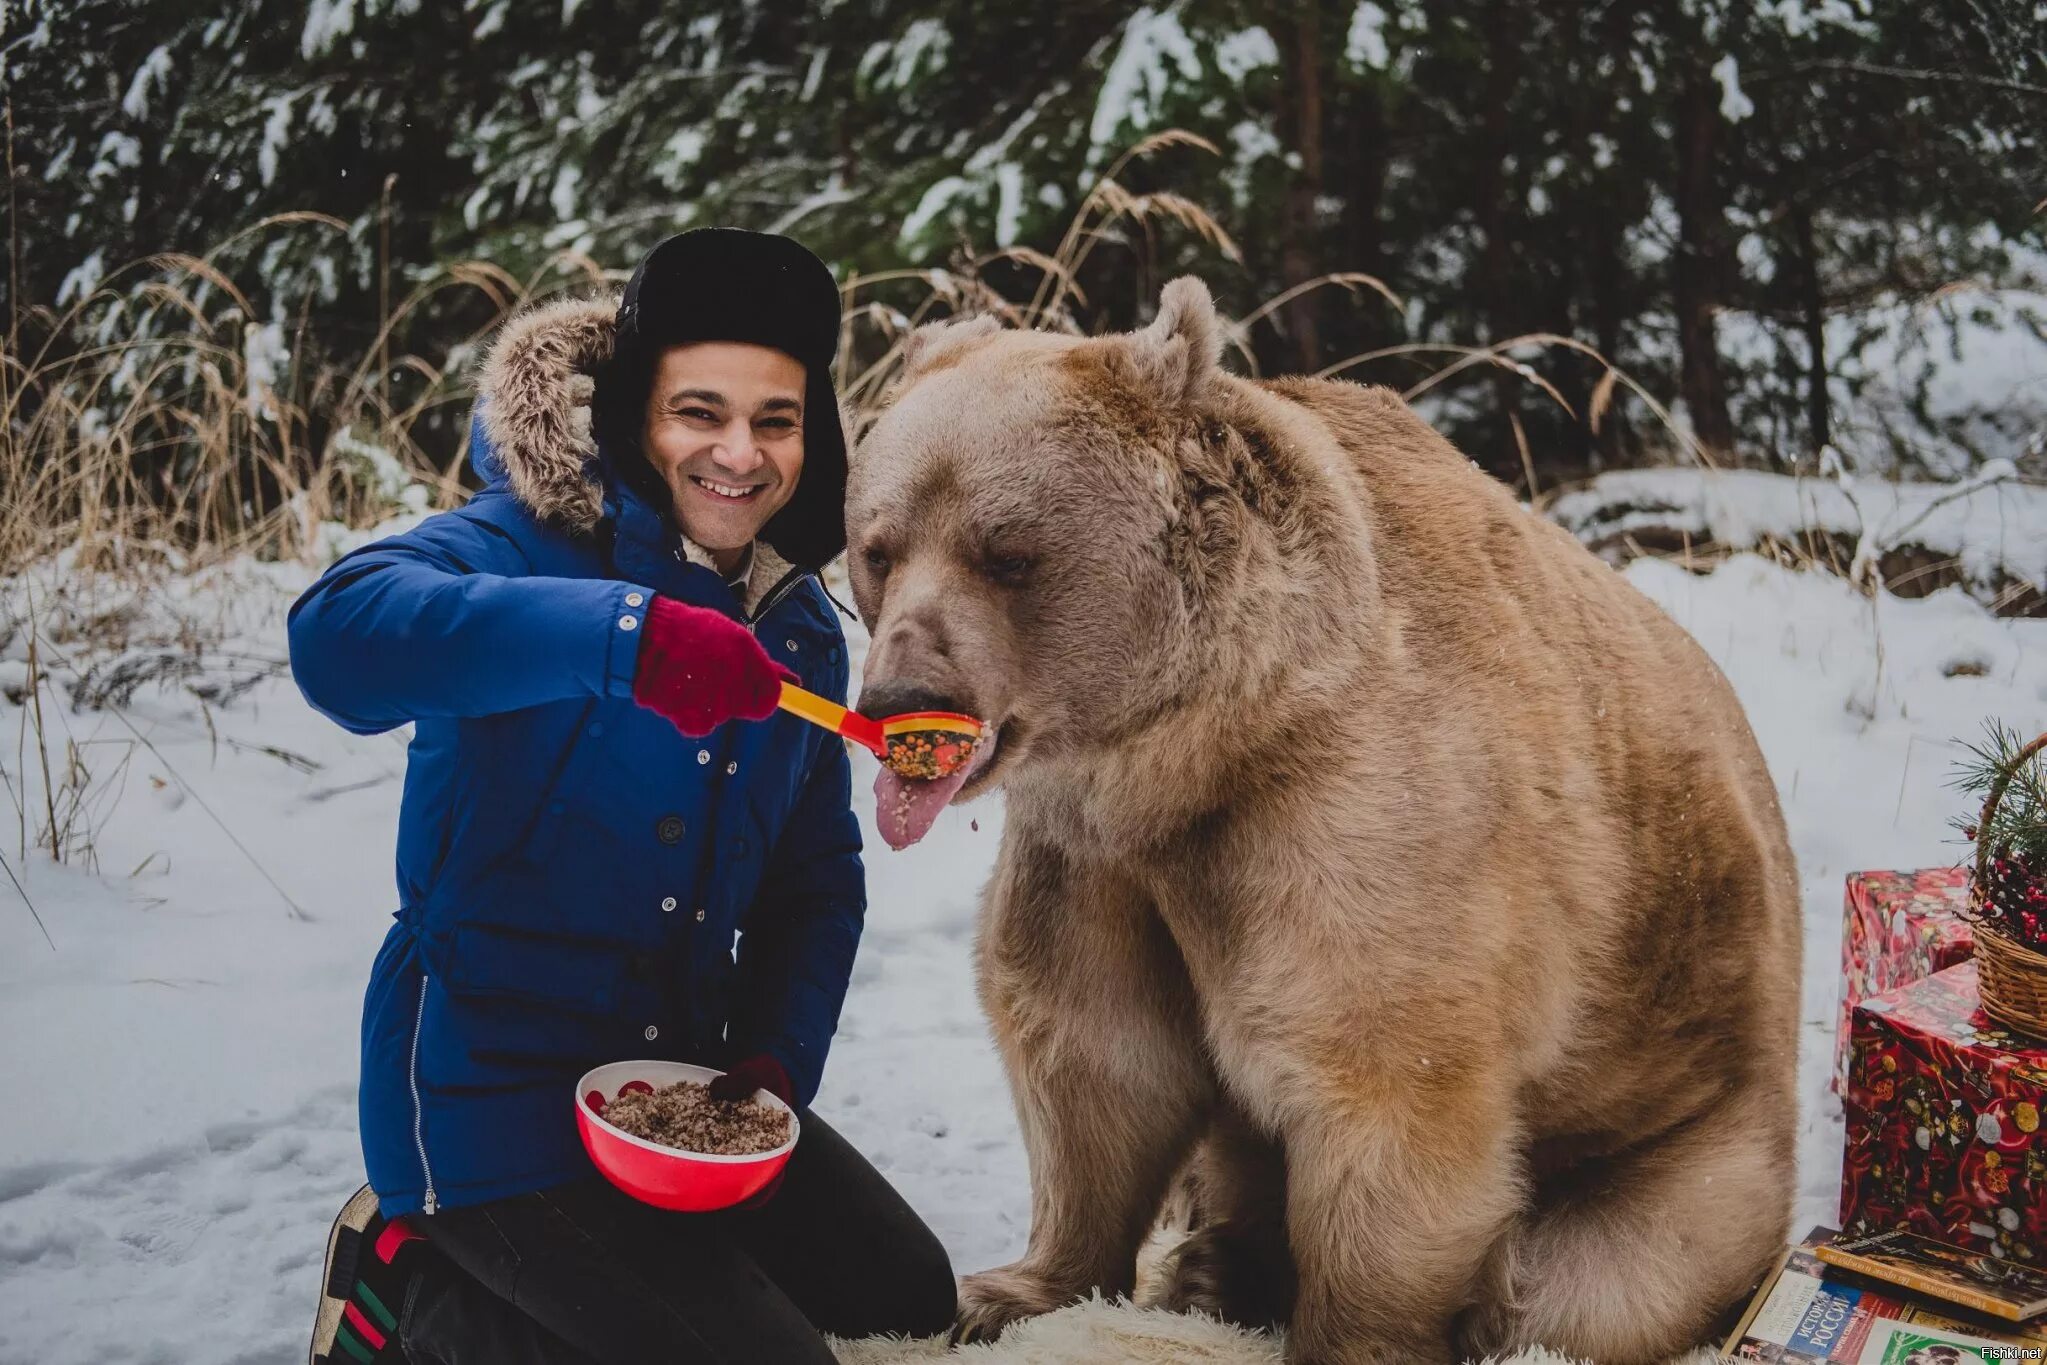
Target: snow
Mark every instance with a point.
(264, 354)
(377, 471)
(833, 192)
(1244, 52)
(326, 21)
(1734, 106)
(1999, 529)
(1800, 17)
(940, 193)
(493, 19)
(276, 134)
(562, 198)
(117, 152)
(1937, 384)
(925, 44)
(814, 75)
(1154, 49)
(1009, 181)
(82, 278)
(183, 1062)
(154, 71)
(1365, 44)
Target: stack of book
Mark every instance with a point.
(1894, 1298)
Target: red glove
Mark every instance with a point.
(700, 668)
(758, 1072)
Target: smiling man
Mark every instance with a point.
(724, 489)
(600, 797)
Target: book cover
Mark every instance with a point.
(1808, 1311)
(1973, 1279)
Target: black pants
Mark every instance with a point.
(582, 1273)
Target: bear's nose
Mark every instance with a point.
(892, 698)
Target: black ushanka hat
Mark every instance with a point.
(728, 284)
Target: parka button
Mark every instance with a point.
(703, 756)
(633, 599)
(731, 768)
(652, 1033)
(700, 917)
(669, 830)
(667, 903)
(791, 644)
(628, 621)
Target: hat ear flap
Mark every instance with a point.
(810, 529)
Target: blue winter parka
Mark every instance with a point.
(572, 870)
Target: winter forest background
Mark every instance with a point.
(1750, 296)
(1734, 231)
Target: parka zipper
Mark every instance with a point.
(419, 1111)
(786, 585)
(789, 584)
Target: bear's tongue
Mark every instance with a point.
(904, 807)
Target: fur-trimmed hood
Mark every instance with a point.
(535, 389)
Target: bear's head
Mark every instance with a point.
(1038, 526)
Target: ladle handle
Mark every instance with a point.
(832, 716)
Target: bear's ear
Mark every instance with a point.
(1182, 348)
(928, 347)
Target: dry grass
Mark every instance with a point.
(165, 419)
(153, 423)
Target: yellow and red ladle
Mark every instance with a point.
(917, 744)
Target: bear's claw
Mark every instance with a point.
(993, 1299)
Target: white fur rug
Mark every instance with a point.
(1120, 1332)
(1099, 1333)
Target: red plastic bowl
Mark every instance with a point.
(688, 1182)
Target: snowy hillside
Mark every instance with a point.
(180, 1066)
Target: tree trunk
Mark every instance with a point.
(1812, 305)
(1496, 287)
(1697, 270)
(1364, 171)
(1301, 127)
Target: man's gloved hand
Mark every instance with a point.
(700, 668)
(758, 1072)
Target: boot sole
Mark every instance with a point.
(356, 1214)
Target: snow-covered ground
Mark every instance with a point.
(1991, 527)
(179, 1070)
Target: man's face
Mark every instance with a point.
(724, 430)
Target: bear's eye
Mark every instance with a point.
(877, 559)
(1008, 570)
(1215, 433)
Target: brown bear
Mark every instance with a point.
(1368, 842)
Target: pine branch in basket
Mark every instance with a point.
(2007, 776)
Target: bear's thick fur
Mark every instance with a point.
(1369, 844)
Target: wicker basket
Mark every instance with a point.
(2012, 978)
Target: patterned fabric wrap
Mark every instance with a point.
(1943, 1115)
(1897, 928)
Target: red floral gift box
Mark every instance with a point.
(1943, 1113)
(1897, 928)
